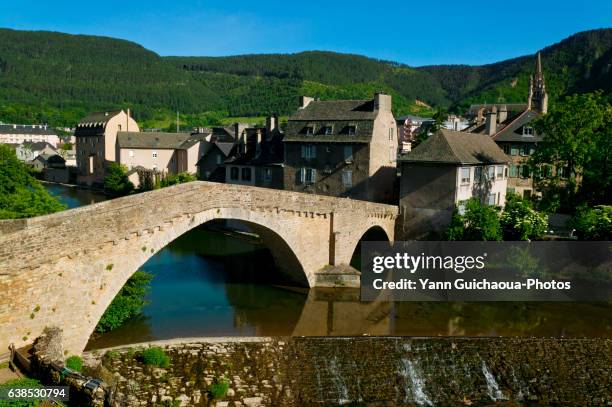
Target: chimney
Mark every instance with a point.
(127, 121)
(258, 141)
(491, 124)
(305, 101)
(503, 114)
(271, 124)
(382, 101)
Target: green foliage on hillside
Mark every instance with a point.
(58, 78)
(22, 195)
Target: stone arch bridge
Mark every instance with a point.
(64, 269)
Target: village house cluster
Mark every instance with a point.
(346, 148)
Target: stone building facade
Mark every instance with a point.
(96, 143)
(442, 172)
(345, 148)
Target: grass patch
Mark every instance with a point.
(155, 356)
(75, 363)
(218, 389)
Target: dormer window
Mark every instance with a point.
(309, 130)
(527, 131)
(327, 130)
(351, 130)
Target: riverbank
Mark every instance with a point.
(362, 370)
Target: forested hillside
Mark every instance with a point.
(57, 78)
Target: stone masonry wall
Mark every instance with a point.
(64, 269)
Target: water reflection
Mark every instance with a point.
(210, 282)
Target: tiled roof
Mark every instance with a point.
(225, 147)
(513, 131)
(337, 110)
(158, 140)
(38, 146)
(455, 147)
(99, 118)
(39, 129)
(296, 131)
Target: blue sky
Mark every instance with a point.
(414, 32)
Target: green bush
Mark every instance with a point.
(19, 384)
(116, 182)
(520, 221)
(128, 303)
(155, 356)
(75, 363)
(479, 222)
(593, 223)
(179, 178)
(218, 389)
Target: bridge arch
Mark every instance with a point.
(85, 255)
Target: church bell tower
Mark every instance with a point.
(538, 98)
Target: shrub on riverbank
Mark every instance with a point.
(155, 356)
(218, 389)
(128, 303)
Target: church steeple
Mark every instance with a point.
(538, 98)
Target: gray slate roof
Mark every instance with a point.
(337, 110)
(158, 140)
(38, 146)
(459, 148)
(27, 129)
(99, 117)
(513, 131)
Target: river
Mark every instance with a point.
(210, 282)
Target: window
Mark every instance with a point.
(218, 159)
(477, 174)
(506, 149)
(505, 172)
(307, 175)
(499, 172)
(348, 153)
(347, 178)
(514, 171)
(327, 130)
(119, 127)
(309, 151)
(351, 130)
(525, 150)
(154, 154)
(246, 174)
(510, 190)
(527, 131)
(490, 172)
(514, 150)
(234, 173)
(491, 199)
(465, 175)
(525, 171)
(267, 174)
(131, 153)
(309, 130)
(391, 133)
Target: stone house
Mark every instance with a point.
(96, 143)
(211, 166)
(27, 151)
(345, 148)
(258, 159)
(511, 127)
(445, 170)
(166, 153)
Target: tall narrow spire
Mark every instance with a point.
(538, 98)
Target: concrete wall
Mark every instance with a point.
(85, 255)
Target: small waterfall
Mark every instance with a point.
(415, 384)
(341, 389)
(492, 387)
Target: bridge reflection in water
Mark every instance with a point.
(213, 283)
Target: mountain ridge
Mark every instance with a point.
(55, 77)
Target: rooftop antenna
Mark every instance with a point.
(177, 121)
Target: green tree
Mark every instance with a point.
(520, 221)
(478, 222)
(116, 182)
(576, 150)
(22, 195)
(128, 303)
(593, 223)
(179, 178)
